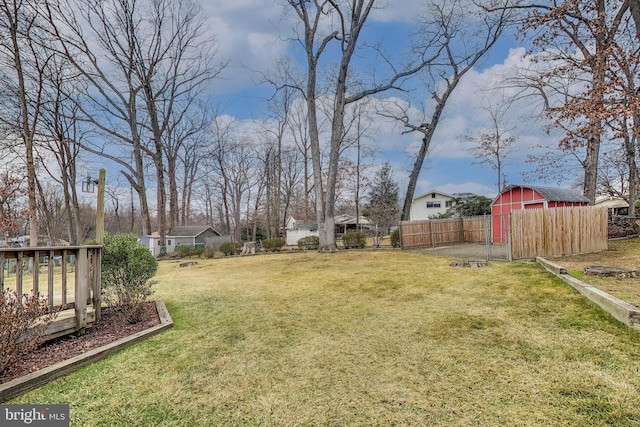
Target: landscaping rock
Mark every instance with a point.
(604, 271)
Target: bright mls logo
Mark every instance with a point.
(34, 415)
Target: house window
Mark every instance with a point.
(433, 195)
(169, 242)
(448, 204)
(433, 204)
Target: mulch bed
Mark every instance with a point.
(110, 328)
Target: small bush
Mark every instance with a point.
(19, 315)
(354, 240)
(208, 252)
(230, 248)
(395, 238)
(127, 268)
(309, 242)
(188, 251)
(274, 245)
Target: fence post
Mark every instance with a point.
(433, 243)
(2, 264)
(81, 291)
(508, 231)
(487, 237)
(97, 283)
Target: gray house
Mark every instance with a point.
(186, 236)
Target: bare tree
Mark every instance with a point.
(61, 131)
(23, 57)
(154, 62)
(493, 145)
(299, 130)
(232, 162)
(453, 39)
(321, 23)
(183, 148)
(12, 206)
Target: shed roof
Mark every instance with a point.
(190, 231)
(554, 194)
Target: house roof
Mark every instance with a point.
(553, 194)
(305, 226)
(338, 220)
(348, 219)
(434, 191)
(612, 202)
(190, 231)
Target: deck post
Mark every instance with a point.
(82, 289)
(97, 283)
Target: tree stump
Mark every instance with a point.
(605, 271)
(249, 248)
(473, 263)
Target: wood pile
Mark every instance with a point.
(620, 226)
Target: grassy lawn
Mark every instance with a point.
(364, 338)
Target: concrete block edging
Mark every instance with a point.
(620, 310)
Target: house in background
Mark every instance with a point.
(430, 204)
(615, 205)
(296, 230)
(345, 223)
(187, 236)
(517, 197)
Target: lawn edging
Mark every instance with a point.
(621, 310)
(21, 385)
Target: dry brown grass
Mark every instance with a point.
(621, 253)
(363, 338)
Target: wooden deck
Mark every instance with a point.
(68, 268)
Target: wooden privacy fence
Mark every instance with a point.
(69, 277)
(441, 232)
(558, 231)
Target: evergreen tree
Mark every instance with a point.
(383, 208)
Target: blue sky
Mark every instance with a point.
(251, 35)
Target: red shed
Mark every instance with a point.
(516, 197)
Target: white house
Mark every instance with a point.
(296, 230)
(616, 205)
(430, 204)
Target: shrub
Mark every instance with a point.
(208, 252)
(229, 248)
(127, 268)
(354, 239)
(273, 245)
(309, 242)
(188, 251)
(395, 238)
(19, 315)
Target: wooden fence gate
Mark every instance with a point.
(439, 232)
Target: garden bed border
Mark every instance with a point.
(21, 385)
(621, 310)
